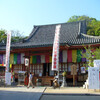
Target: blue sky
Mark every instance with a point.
(22, 15)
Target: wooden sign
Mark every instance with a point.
(73, 69)
(73, 72)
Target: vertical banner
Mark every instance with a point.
(8, 78)
(93, 77)
(8, 51)
(55, 54)
(97, 64)
(26, 62)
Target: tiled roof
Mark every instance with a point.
(73, 33)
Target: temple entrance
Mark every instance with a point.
(44, 69)
(47, 69)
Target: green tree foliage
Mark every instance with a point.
(91, 54)
(16, 36)
(3, 36)
(93, 25)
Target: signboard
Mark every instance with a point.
(83, 70)
(8, 51)
(97, 63)
(26, 62)
(93, 77)
(55, 54)
(73, 69)
(8, 78)
(21, 76)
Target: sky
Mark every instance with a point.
(22, 15)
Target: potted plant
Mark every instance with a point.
(64, 74)
(64, 84)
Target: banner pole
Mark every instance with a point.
(58, 75)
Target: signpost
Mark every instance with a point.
(73, 72)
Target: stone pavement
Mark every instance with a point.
(70, 90)
(37, 93)
(69, 97)
(70, 93)
(21, 93)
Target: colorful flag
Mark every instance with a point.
(55, 55)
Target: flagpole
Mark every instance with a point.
(58, 74)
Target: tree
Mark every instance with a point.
(91, 54)
(3, 36)
(80, 18)
(93, 25)
(16, 36)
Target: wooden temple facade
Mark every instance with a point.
(38, 49)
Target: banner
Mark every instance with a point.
(93, 77)
(55, 54)
(97, 63)
(83, 70)
(26, 62)
(8, 78)
(8, 51)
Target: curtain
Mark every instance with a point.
(4, 58)
(15, 58)
(47, 58)
(11, 58)
(50, 58)
(83, 59)
(1, 58)
(42, 58)
(74, 55)
(78, 55)
(31, 60)
(34, 59)
(69, 54)
(19, 58)
(60, 57)
(22, 58)
(64, 56)
(39, 59)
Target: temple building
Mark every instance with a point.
(38, 49)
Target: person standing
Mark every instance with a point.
(30, 81)
(55, 82)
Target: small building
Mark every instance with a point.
(38, 49)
